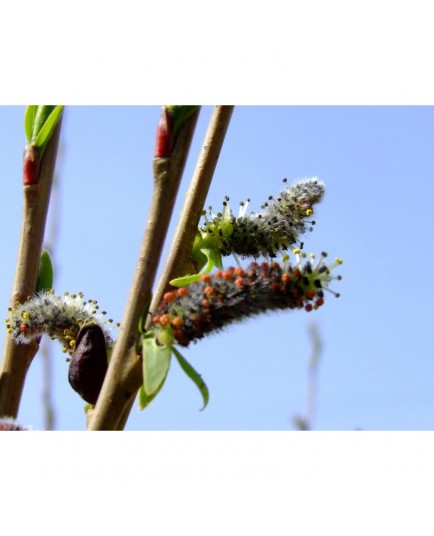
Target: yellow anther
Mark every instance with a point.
(339, 260)
(72, 343)
(309, 212)
(25, 315)
(296, 251)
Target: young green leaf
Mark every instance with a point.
(214, 259)
(194, 376)
(45, 276)
(144, 399)
(144, 316)
(156, 362)
(29, 120)
(41, 115)
(45, 121)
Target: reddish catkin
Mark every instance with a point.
(234, 294)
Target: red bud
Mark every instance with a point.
(31, 163)
(163, 142)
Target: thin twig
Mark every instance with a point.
(178, 262)
(304, 423)
(17, 357)
(167, 177)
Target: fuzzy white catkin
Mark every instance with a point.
(61, 317)
(275, 229)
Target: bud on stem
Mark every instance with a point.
(31, 165)
(164, 140)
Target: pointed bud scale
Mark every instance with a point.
(164, 139)
(31, 165)
(88, 365)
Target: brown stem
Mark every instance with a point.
(167, 177)
(17, 357)
(178, 262)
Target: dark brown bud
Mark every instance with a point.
(88, 365)
(31, 164)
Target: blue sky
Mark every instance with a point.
(376, 370)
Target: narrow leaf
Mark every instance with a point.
(41, 115)
(185, 280)
(45, 276)
(144, 316)
(214, 258)
(29, 120)
(47, 128)
(194, 376)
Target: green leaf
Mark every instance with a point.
(185, 280)
(144, 316)
(44, 125)
(41, 115)
(214, 259)
(155, 362)
(29, 120)
(45, 276)
(144, 399)
(194, 376)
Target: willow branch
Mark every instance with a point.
(167, 177)
(18, 357)
(178, 262)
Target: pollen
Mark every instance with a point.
(240, 293)
(182, 292)
(169, 296)
(60, 317)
